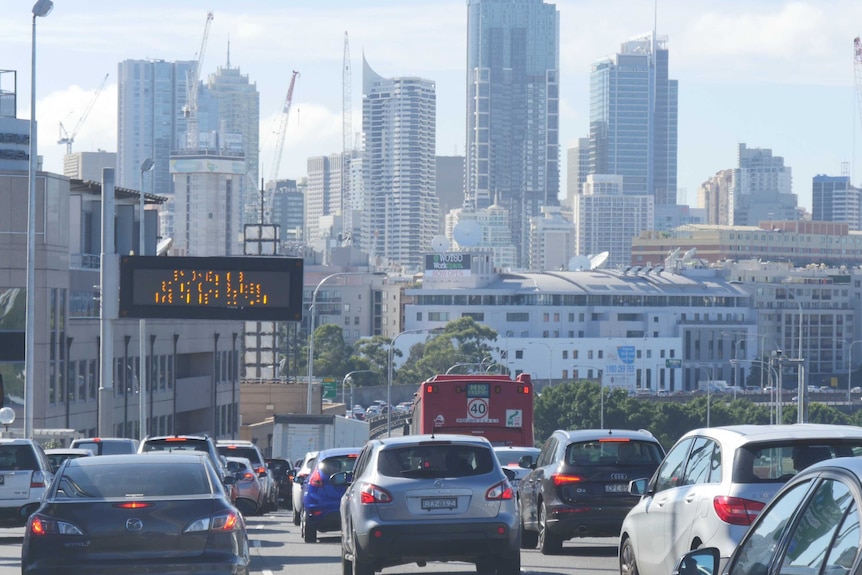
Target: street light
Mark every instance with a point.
(772, 382)
(146, 166)
(311, 328)
(389, 376)
(708, 388)
(40, 9)
(344, 383)
(802, 392)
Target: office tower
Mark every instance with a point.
(288, 213)
(552, 240)
(762, 188)
(714, 195)
(87, 166)
(513, 51)
(450, 185)
(401, 208)
(633, 119)
(577, 169)
(235, 126)
(606, 218)
(834, 199)
(150, 122)
(322, 198)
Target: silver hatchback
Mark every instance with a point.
(422, 498)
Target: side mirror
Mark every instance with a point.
(526, 462)
(638, 486)
(341, 479)
(704, 561)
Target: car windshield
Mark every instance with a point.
(133, 480)
(780, 461)
(613, 452)
(441, 460)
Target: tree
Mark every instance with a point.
(333, 354)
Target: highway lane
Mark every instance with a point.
(277, 547)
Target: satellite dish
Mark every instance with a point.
(467, 233)
(599, 260)
(439, 244)
(579, 264)
(163, 246)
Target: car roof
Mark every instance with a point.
(450, 437)
(68, 451)
(16, 441)
(742, 434)
(153, 456)
(594, 434)
(336, 451)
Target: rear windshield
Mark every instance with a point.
(439, 460)
(249, 453)
(613, 452)
(778, 462)
(138, 480)
(336, 464)
(107, 447)
(175, 445)
(20, 456)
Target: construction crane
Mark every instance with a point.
(282, 127)
(190, 110)
(67, 138)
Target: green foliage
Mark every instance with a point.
(578, 405)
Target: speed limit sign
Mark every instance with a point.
(477, 407)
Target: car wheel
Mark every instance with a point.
(295, 516)
(361, 566)
(346, 564)
(529, 539)
(309, 533)
(628, 563)
(509, 563)
(549, 544)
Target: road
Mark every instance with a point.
(277, 547)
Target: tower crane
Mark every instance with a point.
(282, 126)
(190, 110)
(67, 138)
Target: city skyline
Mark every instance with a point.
(775, 74)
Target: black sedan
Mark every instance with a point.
(135, 514)
(812, 525)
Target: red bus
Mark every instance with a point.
(491, 405)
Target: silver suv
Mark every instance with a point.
(25, 472)
(247, 449)
(423, 498)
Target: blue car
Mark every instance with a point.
(320, 498)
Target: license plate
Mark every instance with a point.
(616, 488)
(440, 503)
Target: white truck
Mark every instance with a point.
(294, 435)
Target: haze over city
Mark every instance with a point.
(772, 74)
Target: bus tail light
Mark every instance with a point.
(525, 389)
(431, 388)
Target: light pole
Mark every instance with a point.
(850, 367)
(711, 374)
(389, 375)
(311, 328)
(802, 391)
(146, 166)
(40, 9)
(344, 383)
(771, 383)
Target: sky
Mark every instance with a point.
(775, 74)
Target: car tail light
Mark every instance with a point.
(221, 522)
(39, 525)
(247, 476)
(561, 479)
(735, 510)
(370, 493)
(260, 469)
(37, 479)
(315, 479)
(502, 490)
(133, 505)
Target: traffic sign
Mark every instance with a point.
(330, 388)
(673, 363)
(477, 408)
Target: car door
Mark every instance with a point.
(530, 487)
(649, 526)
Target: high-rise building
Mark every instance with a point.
(513, 49)
(577, 169)
(714, 196)
(835, 199)
(400, 216)
(633, 119)
(287, 212)
(88, 166)
(322, 197)
(762, 188)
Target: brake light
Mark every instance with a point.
(178, 439)
(370, 493)
(261, 469)
(315, 479)
(499, 492)
(133, 505)
(614, 440)
(222, 522)
(39, 525)
(37, 479)
(560, 479)
(247, 476)
(735, 510)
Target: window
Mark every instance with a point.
(704, 464)
(670, 473)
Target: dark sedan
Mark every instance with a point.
(134, 514)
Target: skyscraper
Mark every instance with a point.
(633, 119)
(513, 152)
(762, 188)
(835, 199)
(401, 207)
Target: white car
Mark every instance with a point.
(25, 473)
(712, 484)
(510, 459)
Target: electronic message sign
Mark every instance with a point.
(242, 288)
